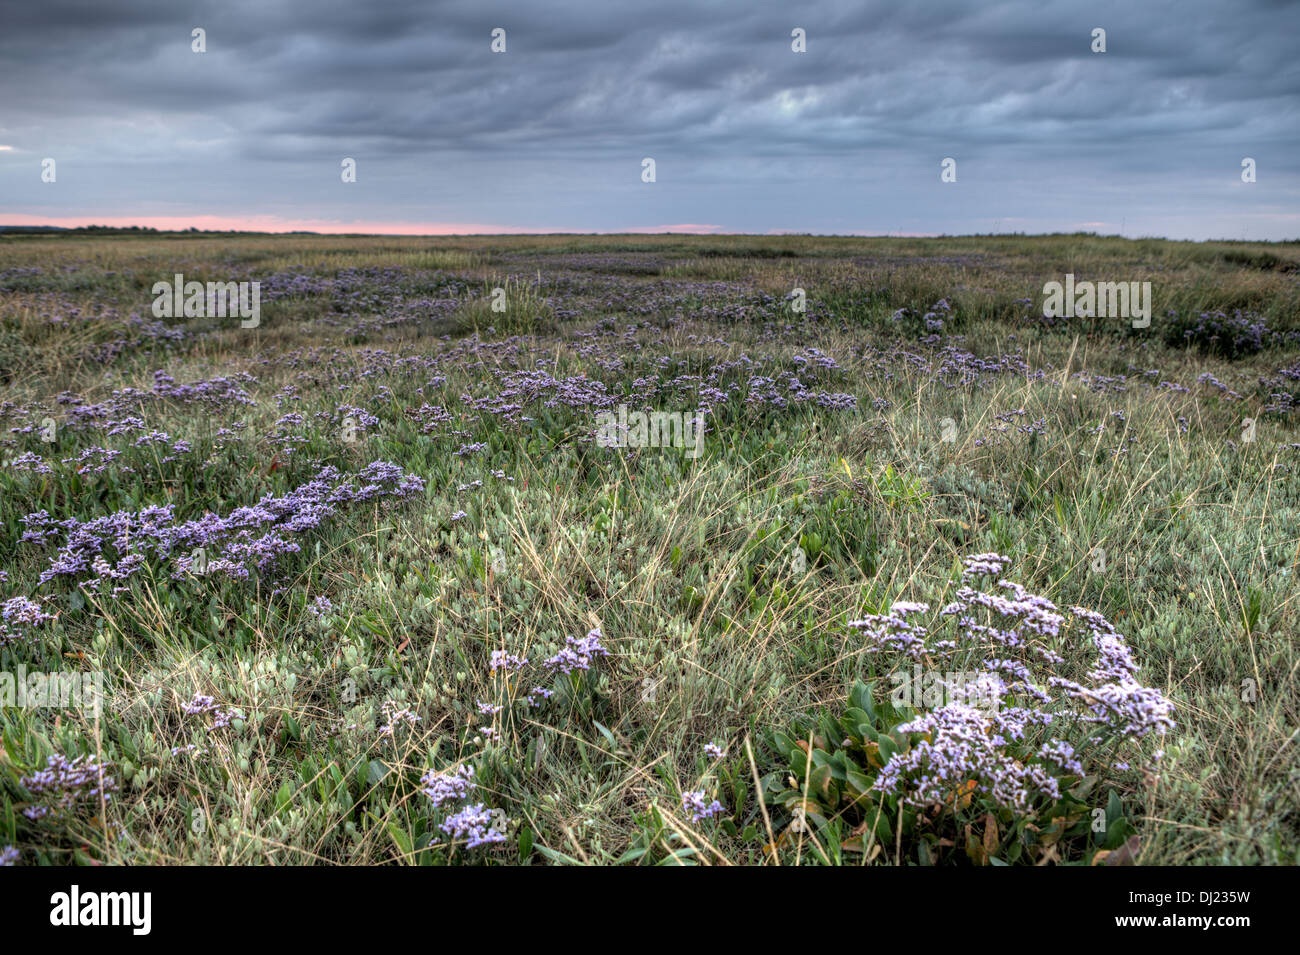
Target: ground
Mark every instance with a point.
(308, 558)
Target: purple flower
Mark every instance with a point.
(993, 726)
(16, 614)
(395, 716)
(693, 802)
(537, 695)
(66, 783)
(450, 785)
(577, 653)
(475, 825)
(506, 661)
(262, 533)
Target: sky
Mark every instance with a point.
(746, 134)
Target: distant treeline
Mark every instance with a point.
(128, 230)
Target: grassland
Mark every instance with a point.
(1150, 475)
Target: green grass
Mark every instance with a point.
(685, 565)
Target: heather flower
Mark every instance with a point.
(30, 462)
(957, 746)
(262, 533)
(16, 615)
(891, 631)
(988, 565)
(222, 717)
(21, 610)
(1062, 754)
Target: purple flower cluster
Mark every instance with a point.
(539, 695)
(122, 405)
(221, 716)
(961, 743)
(474, 824)
(506, 661)
(260, 534)
(893, 632)
(1232, 336)
(447, 786)
(983, 565)
(577, 653)
(66, 783)
(1014, 637)
(33, 463)
(18, 613)
(395, 716)
(694, 803)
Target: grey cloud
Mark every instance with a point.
(553, 132)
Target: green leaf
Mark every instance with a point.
(1114, 809)
(860, 697)
(283, 798)
(607, 734)
(784, 744)
(556, 856)
(402, 839)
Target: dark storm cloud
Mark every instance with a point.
(747, 135)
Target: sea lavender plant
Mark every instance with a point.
(260, 534)
(694, 803)
(473, 824)
(1015, 638)
(448, 785)
(65, 784)
(16, 615)
(577, 653)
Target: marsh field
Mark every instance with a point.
(889, 571)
